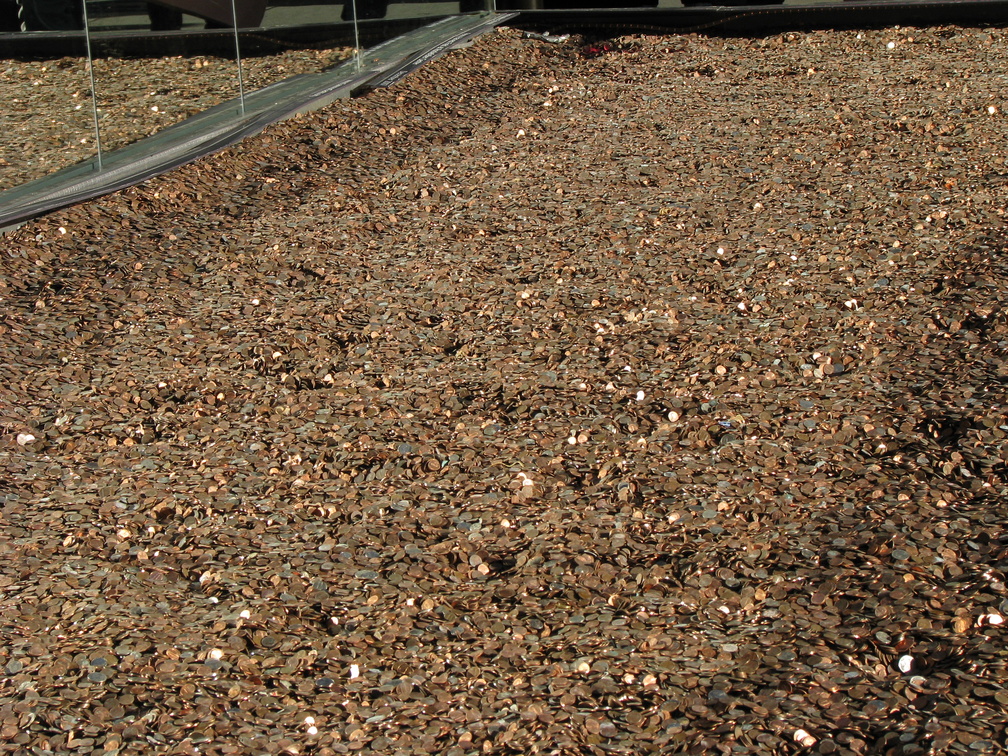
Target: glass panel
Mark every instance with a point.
(381, 20)
(45, 117)
(300, 36)
(312, 35)
(158, 63)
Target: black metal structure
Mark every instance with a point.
(749, 18)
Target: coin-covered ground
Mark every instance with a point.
(624, 396)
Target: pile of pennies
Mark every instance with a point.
(643, 395)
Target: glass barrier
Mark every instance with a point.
(273, 54)
(139, 96)
(330, 32)
(46, 120)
